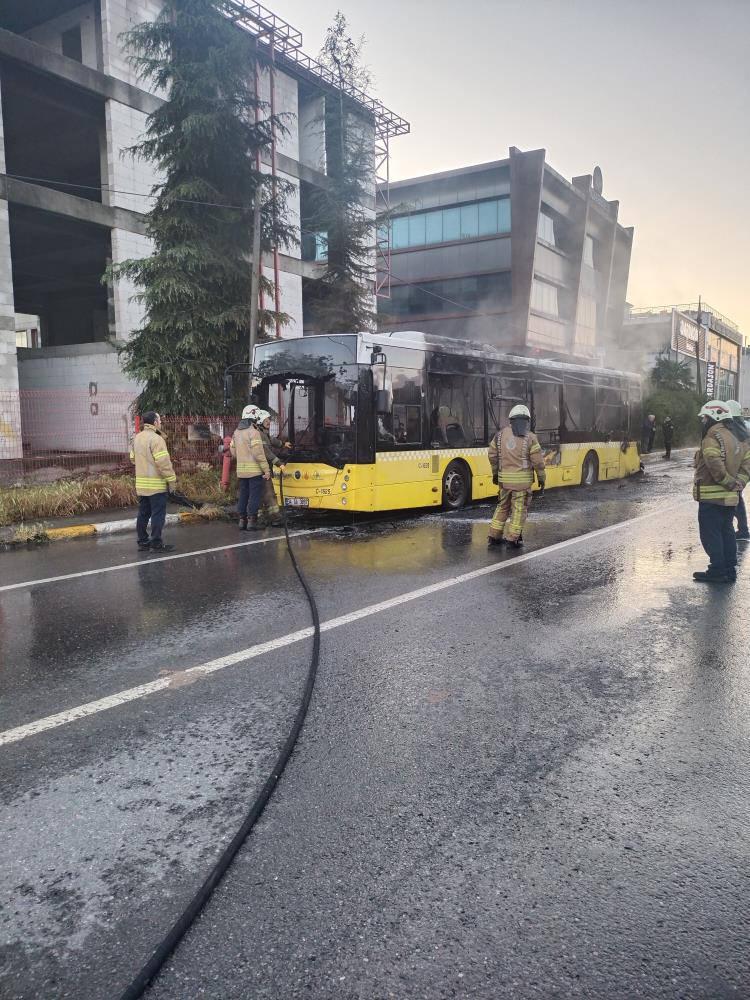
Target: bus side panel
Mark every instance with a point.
(405, 479)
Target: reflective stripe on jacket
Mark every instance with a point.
(722, 463)
(247, 448)
(515, 459)
(153, 466)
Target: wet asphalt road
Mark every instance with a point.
(530, 784)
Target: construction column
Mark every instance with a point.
(10, 407)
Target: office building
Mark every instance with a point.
(509, 253)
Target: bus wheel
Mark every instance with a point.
(456, 486)
(590, 470)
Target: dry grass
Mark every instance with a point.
(66, 498)
(28, 533)
(73, 497)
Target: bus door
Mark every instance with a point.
(546, 410)
(503, 393)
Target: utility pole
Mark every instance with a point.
(255, 263)
(254, 281)
(699, 320)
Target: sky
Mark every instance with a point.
(656, 93)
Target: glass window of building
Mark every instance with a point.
(445, 225)
(487, 211)
(452, 296)
(434, 227)
(544, 298)
(400, 233)
(545, 228)
(588, 250)
(469, 221)
(451, 224)
(417, 230)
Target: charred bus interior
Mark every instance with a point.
(339, 400)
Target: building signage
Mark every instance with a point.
(710, 379)
(686, 336)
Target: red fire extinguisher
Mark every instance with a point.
(227, 463)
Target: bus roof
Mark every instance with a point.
(449, 345)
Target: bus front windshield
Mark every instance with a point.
(311, 384)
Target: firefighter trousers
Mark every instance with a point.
(510, 514)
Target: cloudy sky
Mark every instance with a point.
(657, 92)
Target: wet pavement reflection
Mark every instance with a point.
(530, 784)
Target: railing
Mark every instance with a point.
(53, 434)
(689, 308)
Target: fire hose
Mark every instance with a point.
(175, 934)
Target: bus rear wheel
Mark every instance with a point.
(590, 470)
(456, 486)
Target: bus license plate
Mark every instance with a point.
(296, 502)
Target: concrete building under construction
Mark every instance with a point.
(72, 200)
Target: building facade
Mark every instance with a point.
(72, 200)
(508, 253)
(710, 343)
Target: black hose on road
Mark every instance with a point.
(173, 937)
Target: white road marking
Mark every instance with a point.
(143, 690)
(148, 560)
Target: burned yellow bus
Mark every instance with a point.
(402, 420)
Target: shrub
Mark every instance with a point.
(682, 406)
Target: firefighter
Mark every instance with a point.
(252, 468)
(154, 478)
(722, 470)
(739, 428)
(271, 507)
(515, 455)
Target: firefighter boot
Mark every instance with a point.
(708, 577)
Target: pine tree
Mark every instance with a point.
(204, 140)
(341, 300)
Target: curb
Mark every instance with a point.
(117, 527)
(100, 528)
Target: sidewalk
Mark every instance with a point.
(650, 458)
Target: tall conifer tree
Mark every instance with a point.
(204, 140)
(341, 299)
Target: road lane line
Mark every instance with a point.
(143, 690)
(150, 561)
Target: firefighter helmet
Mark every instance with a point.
(734, 407)
(715, 409)
(519, 410)
(250, 412)
(261, 416)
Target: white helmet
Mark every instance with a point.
(519, 410)
(734, 407)
(261, 416)
(250, 412)
(715, 409)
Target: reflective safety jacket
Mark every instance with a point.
(269, 443)
(153, 466)
(516, 459)
(722, 465)
(247, 448)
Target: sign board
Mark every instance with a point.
(687, 335)
(710, 379)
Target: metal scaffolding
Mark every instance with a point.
(283, 44)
